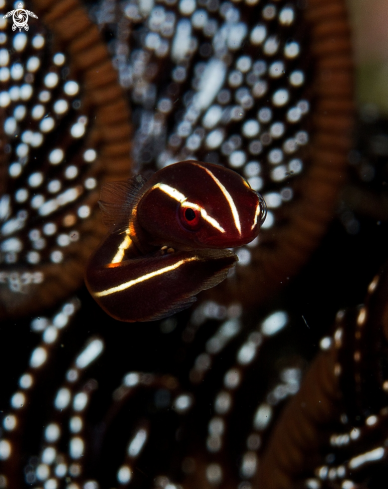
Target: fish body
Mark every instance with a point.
(168, 238)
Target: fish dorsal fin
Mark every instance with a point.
(117, 201)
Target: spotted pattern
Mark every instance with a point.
(245, 108)
(51, 171)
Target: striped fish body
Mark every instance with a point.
(168, 238)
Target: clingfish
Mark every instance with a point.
(169, 237)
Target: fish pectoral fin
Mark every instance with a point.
(174, 309)
(153, 287)
(218, 272)
(214, 258)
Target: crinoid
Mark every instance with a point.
(66, 131)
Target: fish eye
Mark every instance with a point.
(190, 216)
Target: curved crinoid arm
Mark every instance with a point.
(334, 429)
(66, 132)
(299, 223)
(302, 426)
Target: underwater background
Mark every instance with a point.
(278, 376)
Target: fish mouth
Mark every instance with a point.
(263, 209)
